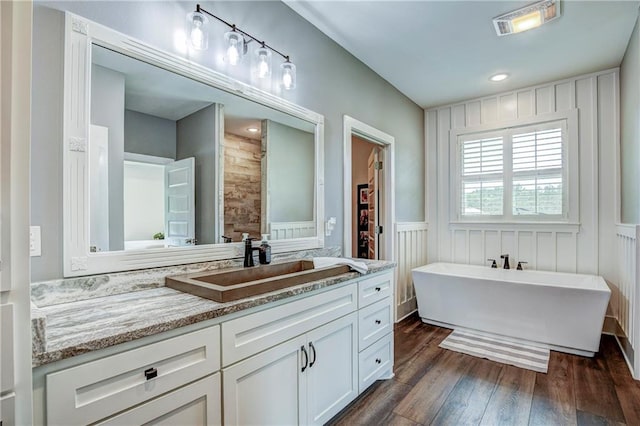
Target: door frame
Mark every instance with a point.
(351, 127)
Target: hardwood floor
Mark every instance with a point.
(434, 386)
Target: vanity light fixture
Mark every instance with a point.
(499, 77)
(527, 18)
(253, 129)
(236, 41)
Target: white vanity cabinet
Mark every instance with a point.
(290, 362)
(305, 380)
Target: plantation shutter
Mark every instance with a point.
(537, 162)
(482, 180)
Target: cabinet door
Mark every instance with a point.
(194, 404)
(268, 388)
(333, 368)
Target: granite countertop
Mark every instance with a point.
(73, 328)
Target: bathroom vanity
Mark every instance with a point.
(294, 356)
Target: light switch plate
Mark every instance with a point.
(34, 241)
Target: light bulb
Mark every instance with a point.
(197, 30)
(261, 63)
(288, 75)
(287, 79)
(235, 47)
(232, 52)
(263, 67)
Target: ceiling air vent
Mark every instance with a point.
(527, 18)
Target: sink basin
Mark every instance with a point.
(229, 285)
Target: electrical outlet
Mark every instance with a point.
(34, 241)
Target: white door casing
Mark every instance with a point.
(351, 126)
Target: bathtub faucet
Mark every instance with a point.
(506, 261)
(493, 264)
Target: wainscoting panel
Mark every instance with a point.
(286, 230)
(627, 294)
(542, 249)
(411, 252)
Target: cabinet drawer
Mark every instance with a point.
(195, 404)
(374, 289)
(374, 321)
(248, 335)
(376, 360)
(98, 389)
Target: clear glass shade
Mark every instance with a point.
(288, 75)
(261, 63)
(235, 47)
(197, 30)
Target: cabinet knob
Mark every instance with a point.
(150, 373)
(378, 289)
(378, 321)
(378, 361)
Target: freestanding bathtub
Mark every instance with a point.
(563, 311)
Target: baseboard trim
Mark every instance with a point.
(612, 327)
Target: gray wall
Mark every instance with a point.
(290, 173)
(107, 109)
(330, 81)
(196, 138)
(149, 135)
(630, 130)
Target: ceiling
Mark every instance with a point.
(441, 52)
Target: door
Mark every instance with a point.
(268, 388)
(179, 206)
(333, 368)
(98, 188)
(374, 165)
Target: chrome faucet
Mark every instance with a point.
(506, 261)
(248, 253)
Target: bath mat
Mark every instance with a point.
(497, 349)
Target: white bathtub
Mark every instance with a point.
(563, 311)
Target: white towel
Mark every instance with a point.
(323, 262)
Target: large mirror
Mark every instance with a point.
(179, 162)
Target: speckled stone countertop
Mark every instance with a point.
(77, 327)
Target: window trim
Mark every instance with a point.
(570, 169)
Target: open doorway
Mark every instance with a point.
(369, 191)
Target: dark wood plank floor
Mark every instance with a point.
(433, 386)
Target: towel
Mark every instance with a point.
(323, 262)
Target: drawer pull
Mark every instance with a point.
(378, 361)
(378, 289)
(378, 321)
(306, 358)
(313, 349)
(151, 373)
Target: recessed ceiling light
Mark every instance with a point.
(499, 77)
(527, 18)
(253, 129)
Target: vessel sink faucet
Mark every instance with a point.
(506, 261)
(248, 253)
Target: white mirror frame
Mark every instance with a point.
(80, 33)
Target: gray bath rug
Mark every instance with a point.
(496, 348)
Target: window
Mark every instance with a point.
(517, 174)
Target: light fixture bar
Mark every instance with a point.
(235, 28)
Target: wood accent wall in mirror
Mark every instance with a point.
(167, 162)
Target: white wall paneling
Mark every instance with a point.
(626, 295)
(411, 249)
(570, 247)
(284, 230)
